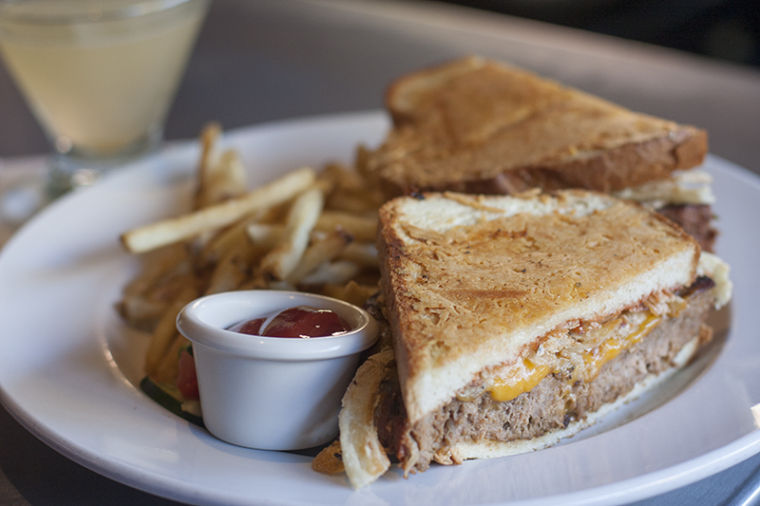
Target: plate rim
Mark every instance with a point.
(638, 487)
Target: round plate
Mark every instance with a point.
(69, 368)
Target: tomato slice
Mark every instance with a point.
(187, 381)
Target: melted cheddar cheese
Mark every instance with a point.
(526, 374)
(521, 379)
(611, 348)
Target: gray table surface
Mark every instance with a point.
(268, 60)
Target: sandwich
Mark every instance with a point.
(482, 127)
(516, 321)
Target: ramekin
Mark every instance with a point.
(271, 393)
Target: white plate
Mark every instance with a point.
(67, 368)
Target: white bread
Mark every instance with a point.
(470, 281)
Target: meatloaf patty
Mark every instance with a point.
(695, 219)
(551, 405)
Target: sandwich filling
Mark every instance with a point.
(561, 378)
(684, 198)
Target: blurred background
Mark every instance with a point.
(244, 71)
(724, 29)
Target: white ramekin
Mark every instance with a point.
(271, 393)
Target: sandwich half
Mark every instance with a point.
(478, 126)
(515, 321)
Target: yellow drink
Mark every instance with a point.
(99, 75)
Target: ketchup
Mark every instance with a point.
(301, 321)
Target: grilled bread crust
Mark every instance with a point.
(478, 126)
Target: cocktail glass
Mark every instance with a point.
(99, 75)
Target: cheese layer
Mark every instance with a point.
(588, 347)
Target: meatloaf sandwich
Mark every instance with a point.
(516, 321)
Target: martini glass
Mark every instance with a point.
(99, 76)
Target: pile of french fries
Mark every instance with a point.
(305, 231)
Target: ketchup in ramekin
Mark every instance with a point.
(300, 321)
(274, 393)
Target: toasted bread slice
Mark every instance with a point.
(477, 126)
(471, 281)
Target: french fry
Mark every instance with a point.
(231, 270)
(166, 331)
(225, 180)
(171, 286)
(139, 311)
(265, 235)
(328, 461)
(339, 272)
(363, 254)
(361, 161)
(341, 177)
(209, 137)
(230, 238)
(168, 367)
(256, 282)
(280, 285)
(155, 265)
(350, 191)
(358, 202)
(317, 253)
(163, 278)
(173, 230)
(324, 185)
(226, 240)
(282, 260)
(351, 292)
(361, 228)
